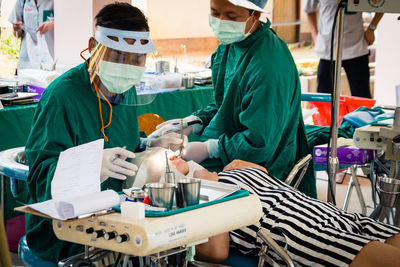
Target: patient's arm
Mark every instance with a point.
(241, 164)
(376, 253)
(206, 175)
(216, 249)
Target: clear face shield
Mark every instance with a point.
(116, 66)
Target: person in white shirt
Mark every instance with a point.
(30, 17)
(355, 45)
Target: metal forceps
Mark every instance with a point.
(182, 147)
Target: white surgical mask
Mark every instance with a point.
(119, 78)
(228, 31)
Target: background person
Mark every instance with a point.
(355, 45)
(256, 115)
(30, 17)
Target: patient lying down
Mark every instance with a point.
(313, 232)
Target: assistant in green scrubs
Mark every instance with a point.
(68, 115)
(256, 115)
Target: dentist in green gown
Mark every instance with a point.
(94, 100)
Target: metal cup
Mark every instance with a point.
(161, 194)
(188, 193)
(162, 66)
(389, 190)
(188, 81)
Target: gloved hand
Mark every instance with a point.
(114, 164)
(196, 151)
(191, 124)
(171, 141)
(199, 151)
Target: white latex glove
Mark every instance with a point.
(114, 164)
(196, 151)
(170, 141)
(191, 124)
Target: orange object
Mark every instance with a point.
(354, 102)
(146, 200)
(323, 117)
(148, 122)
(347, 104)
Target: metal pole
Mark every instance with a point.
(333, 160)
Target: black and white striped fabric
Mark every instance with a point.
(313, 232)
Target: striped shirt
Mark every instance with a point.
(312, 232)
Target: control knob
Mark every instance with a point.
(98, 233)
(122, 238)
(110, 235)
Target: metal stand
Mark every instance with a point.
(383, 213)
(354, 183)
(333, 160)
(397, 216)
(161, 259)
(390, 214)
(270, 243)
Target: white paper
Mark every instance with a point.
(75, 187)
(46, 207)
(78, 171)
(209, 194)
(211, 190)
(87, 204)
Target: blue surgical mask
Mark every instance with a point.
(228, 31)
(119, 78)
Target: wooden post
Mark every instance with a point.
(5, 259)
(286, 13)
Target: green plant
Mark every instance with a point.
(10, 45)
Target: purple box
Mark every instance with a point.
(35, 89)
(348, 155)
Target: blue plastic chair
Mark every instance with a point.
(10, 166)
(28, 258)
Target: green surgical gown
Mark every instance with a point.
(256, 114)
(68, 115)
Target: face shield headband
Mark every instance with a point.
(127, 41)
